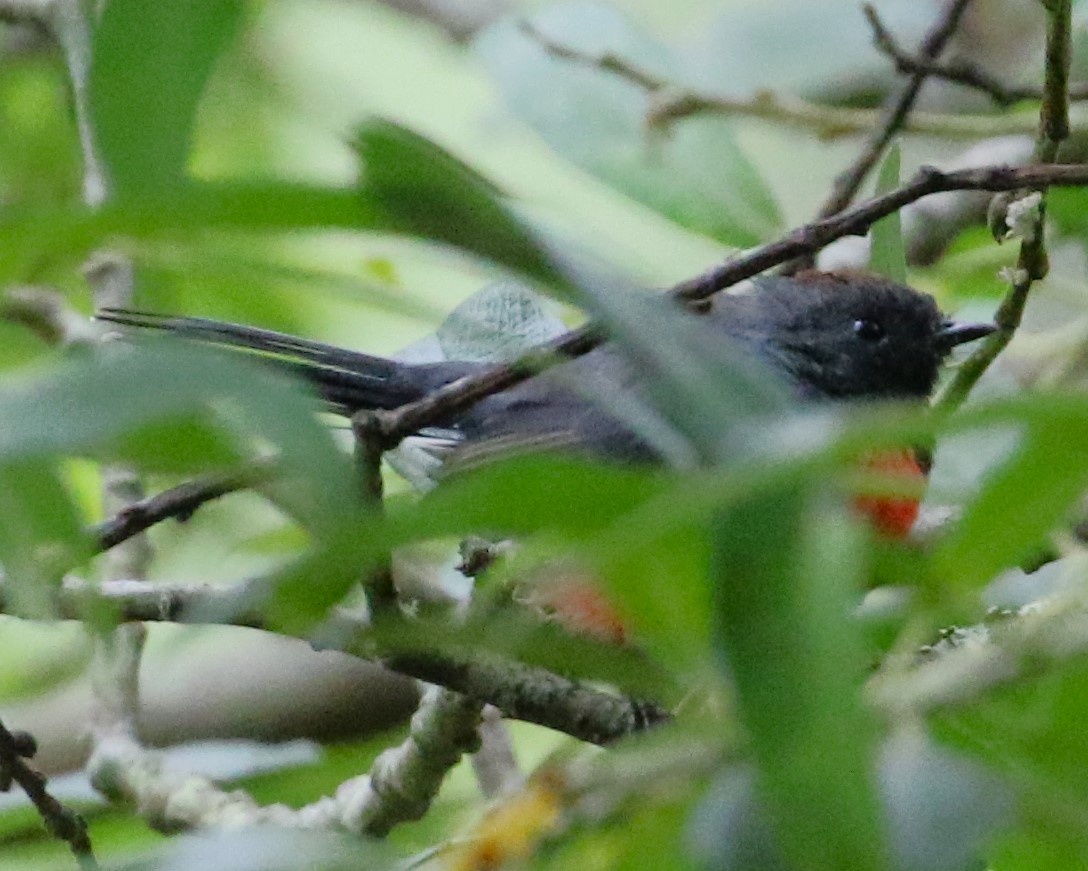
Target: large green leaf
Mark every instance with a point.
(786, 572)
(421, 189)
(704, 387)
(112, 402)
(519, 496)
(1021, 501)
(410, 186)
(696, 175)
(31, 234)
(41, 536)
(151, 63)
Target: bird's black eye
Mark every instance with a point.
(868, 329)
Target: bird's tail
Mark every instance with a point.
(347, 380)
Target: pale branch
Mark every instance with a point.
(69, 25)
(495, 763)
(669, 103)
(122, 769)
(959, 72)
(141, 601)
(404, 780)
(1032, 262)
(968, 663)
(46, 313)
(62, 823)
(400, 787)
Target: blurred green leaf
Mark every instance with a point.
(420, 189)
(1029, 732)
(705, 388)
(151, 63)
(887, 255)
(696, 174)
(519, 496)
(94, 403)
(31, 234)
(41, 536)
(1068, 209)
(410, 186)
(786, 572)
(1020, 502)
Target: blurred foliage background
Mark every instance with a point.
(291, 82)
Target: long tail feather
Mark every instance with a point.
(347, 380)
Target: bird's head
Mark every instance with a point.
(849, 335)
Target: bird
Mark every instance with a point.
(830, 336)
(843, 336)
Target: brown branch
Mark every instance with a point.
(535, 695)
(455, 398)
(179, 503)
(895, 113)
(958, 71)
(62, 823)
(521, 692)
(367, 430)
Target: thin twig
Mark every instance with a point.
(62, 823)
(896, 112)
(959, 72)
(367, 429)
(1032, 262)
(179, 503)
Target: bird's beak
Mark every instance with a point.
(953, 333)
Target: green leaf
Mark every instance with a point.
(786, 572)
(705, 388)
(420, 189)
(1031, 733)
(887, 255)
(100, 403)
(30, 234)
(151, 63)
(696, 174)
(519, 496)
(1020, 502)
(41, 536)
(410, 186)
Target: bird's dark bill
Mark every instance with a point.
(953, 333)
